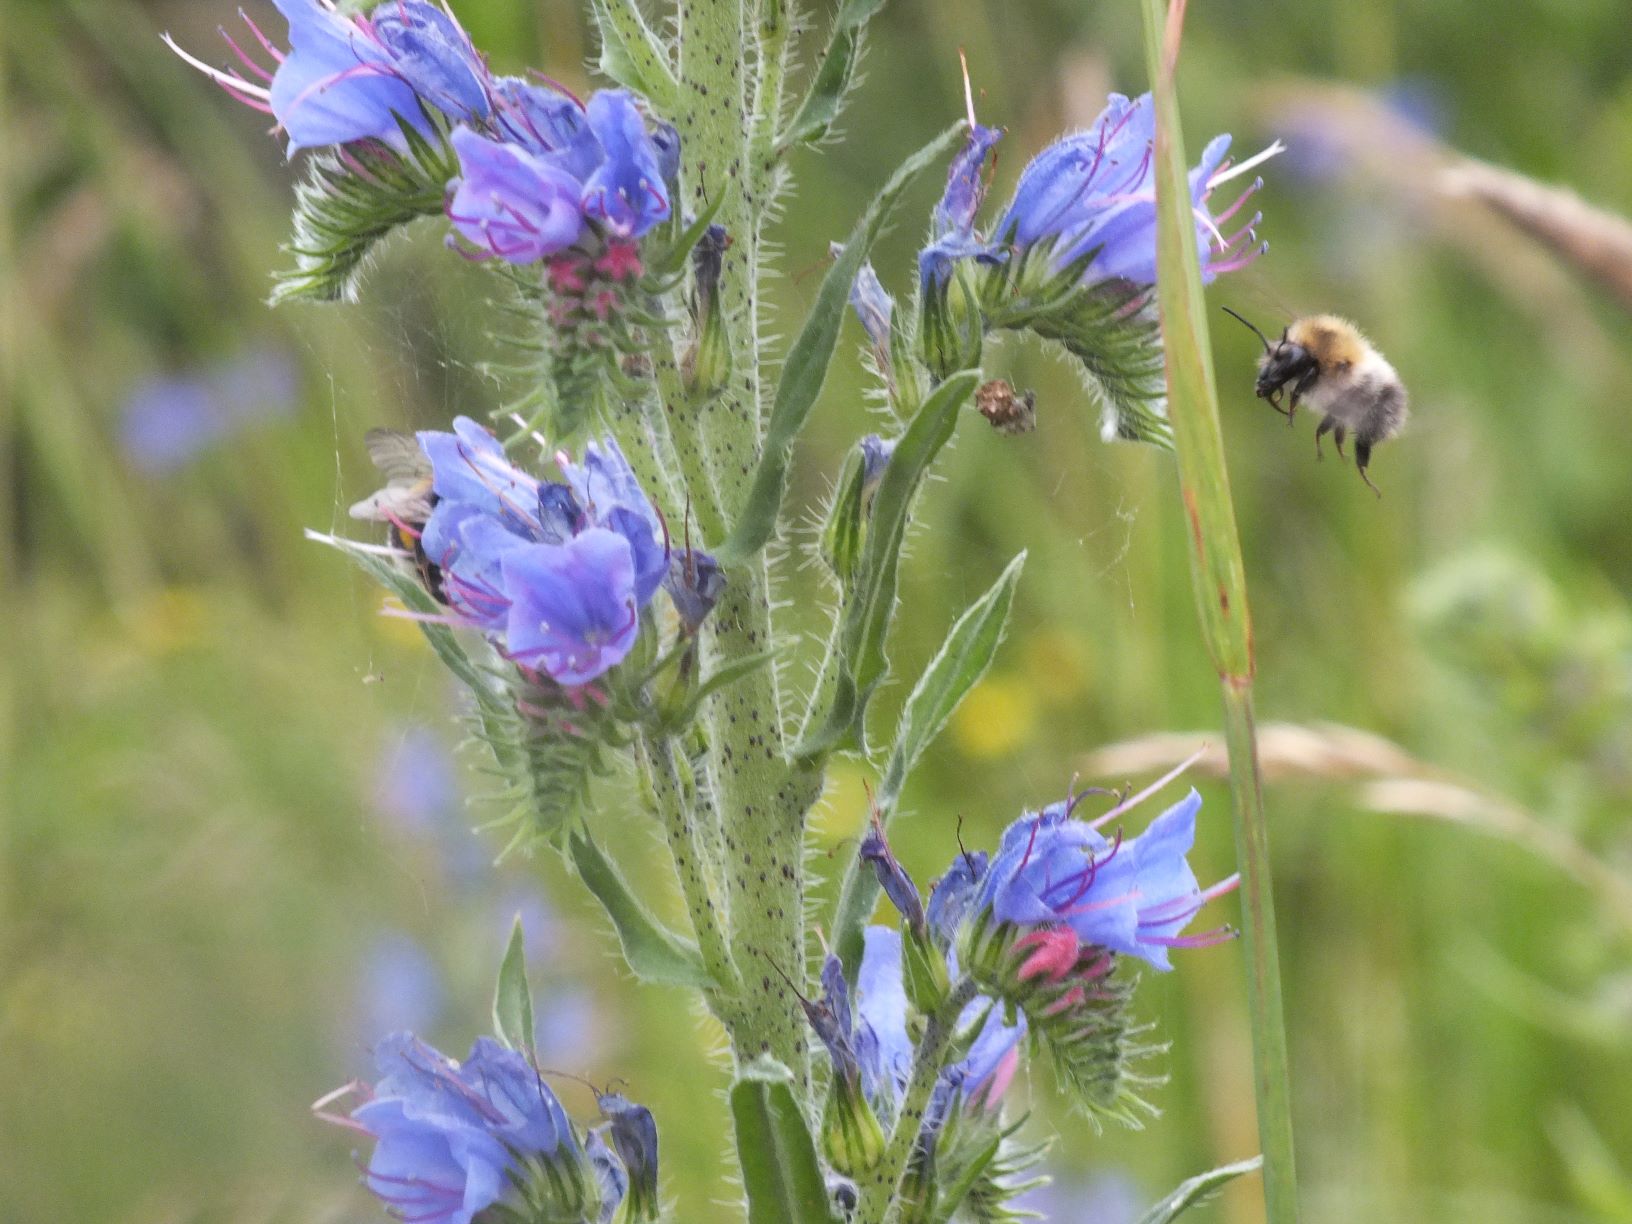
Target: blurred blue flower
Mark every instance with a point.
(1105, 1198)
(548, 122)
(451, 1139)
(416, 783)
(952, 233)
(401, 986)
(166, 422)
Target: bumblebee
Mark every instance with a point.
(405, 502)
(1324, 362)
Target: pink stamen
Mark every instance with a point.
(1235, 265)
(1128, 804)
(244, 59)
(1224, 217)
(226, 80)
(266, 43)
(323, 83)
(1207, 939)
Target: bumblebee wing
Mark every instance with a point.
(406, 497)
(397, 455)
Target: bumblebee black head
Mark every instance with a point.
(1287, 362)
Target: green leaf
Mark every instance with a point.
(512, 1000)
(806, 368)
(862, 662)
(956, 668)
(632, 54)
(1198, 1189)
(835, 74)
(350, 200)
(780, 1171)
(655, 953)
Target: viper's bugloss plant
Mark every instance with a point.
(595, 566)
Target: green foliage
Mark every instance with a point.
(981, 1168)
(653, 952)
(512, 997)
(834, 78)
(350, 200)
(632, 54)
(859, 661)
(1198, 1189)
(808, 360)
(1110, 328)
(780, 1172)
(956, 668)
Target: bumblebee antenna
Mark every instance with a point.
(1261, 337)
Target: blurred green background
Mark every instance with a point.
(235, 846)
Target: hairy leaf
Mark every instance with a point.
(1198, 1189)
(512, 1000)
(806, 368)
(350, 200)
(780, 1171)
(835, 74)
(956, 668)
(861, 662)
(654, 953)
(632, 54)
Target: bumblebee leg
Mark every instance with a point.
(1340, 435)
(1362, 460)
(1321, 430)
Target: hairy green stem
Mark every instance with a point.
(1221, 594)
(671, 796)
(880, 1187)
(762, 802)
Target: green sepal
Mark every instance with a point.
(780, 1171)
(1111, 329)
(846, 526)
(1085, 1029)
(350, 200)
(512, 998)
(861, 662)
(654, 953)
(852, 1136)
(633, 55)
(1197, 1190)
(924, 970)
(805, 370)
(667, 262)
(835, 75)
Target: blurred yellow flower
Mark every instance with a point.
(997, 715)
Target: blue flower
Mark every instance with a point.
(1135, 898)
(606, 486)
(510, 203)
(1093, 193)
(627, 191)
(546, 121)
(349, 79)
(572, 612)
(449, 1138)
(952, 894)
(559, 572)
(952, 233)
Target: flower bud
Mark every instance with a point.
(707, 364)
(845, 533)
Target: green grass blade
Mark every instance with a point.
(1221, 595)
